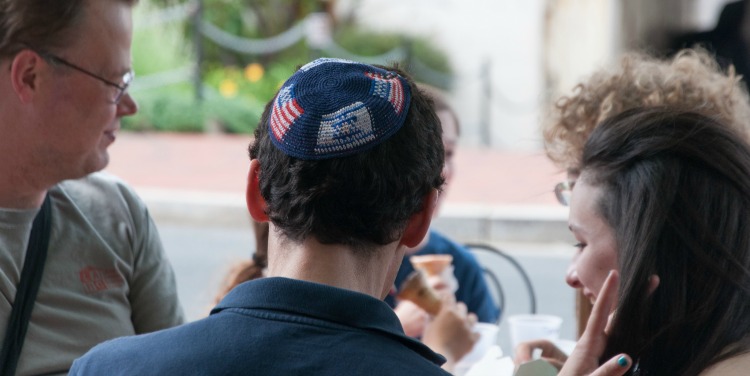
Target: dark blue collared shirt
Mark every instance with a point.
(274, 326)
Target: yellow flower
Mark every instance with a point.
(228, 88)
(254, 72)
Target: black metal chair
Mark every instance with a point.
(496, 264)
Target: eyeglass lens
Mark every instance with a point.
(563, 191)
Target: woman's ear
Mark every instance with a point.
(256, 205)
(419, 223)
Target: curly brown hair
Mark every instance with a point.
(691, 80)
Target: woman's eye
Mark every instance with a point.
(580, 246)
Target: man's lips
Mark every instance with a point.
(111, 134)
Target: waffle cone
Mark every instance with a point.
(416, 290)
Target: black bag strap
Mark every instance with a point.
(31, 277)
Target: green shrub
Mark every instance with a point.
(176, 110)
(237, 86)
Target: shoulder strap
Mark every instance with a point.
(31, 277)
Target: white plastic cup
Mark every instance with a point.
(487, 338)
(531, 327)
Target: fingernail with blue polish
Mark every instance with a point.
(622, 361)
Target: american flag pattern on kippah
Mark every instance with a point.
(285, 112)
(388, 87)
(334, 108)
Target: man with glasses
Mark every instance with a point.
(99, 265)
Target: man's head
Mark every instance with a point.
(692, 81)
(63, 66)
(348, 153)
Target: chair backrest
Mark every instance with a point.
(505, 277)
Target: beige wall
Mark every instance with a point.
(580, 36)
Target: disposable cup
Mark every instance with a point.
(531, 327)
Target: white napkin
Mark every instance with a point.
(493, 363)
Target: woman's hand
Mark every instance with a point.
(451, 333)
(413, 319)
(550, 353)
(584, 360)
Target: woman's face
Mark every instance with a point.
(596, 252)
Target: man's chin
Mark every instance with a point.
(96, 165)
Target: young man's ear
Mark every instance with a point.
(24, 74)
(419, 223)
(256, 205)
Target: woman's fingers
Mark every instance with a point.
(472, 319)
(600, 314)
(617, 366)
(525, 350)
(585, 358)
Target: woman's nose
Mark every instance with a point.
(571, 277)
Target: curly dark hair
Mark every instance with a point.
(363, 200)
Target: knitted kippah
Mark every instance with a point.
(334, 108)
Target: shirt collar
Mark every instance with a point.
(323, 302)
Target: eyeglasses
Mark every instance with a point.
(563, 191)
(127, 78)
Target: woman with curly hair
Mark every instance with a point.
(692, 80)
(662, 199)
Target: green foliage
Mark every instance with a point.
(231, 82)
(427, 53)
(157, 48)
(238, 86)
(365, 43)
(174, 109)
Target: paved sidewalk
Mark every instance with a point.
(495, 196)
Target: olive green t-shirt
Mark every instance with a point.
(106, 273)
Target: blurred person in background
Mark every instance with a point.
(82, 238)
(248, 269)
(729, 40)
(691, 80)
(472, 289)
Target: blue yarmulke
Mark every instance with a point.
(334, 108)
